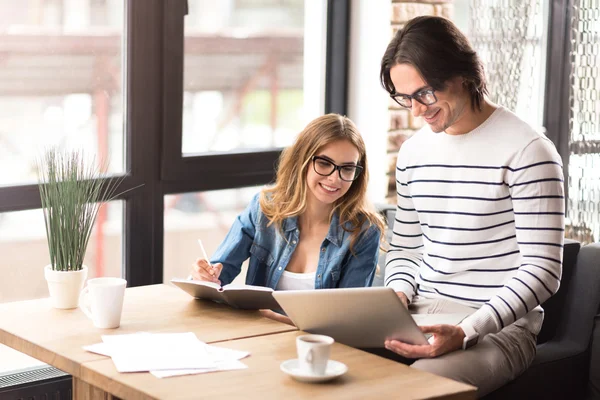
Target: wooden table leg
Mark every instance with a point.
(84, 391)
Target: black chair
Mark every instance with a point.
(593, 387)
(561, 367)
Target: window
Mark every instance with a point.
(60, 83)
(60, 86)
(252, 77)
(199, 215)
(510, 38)
(583, 210)
(244, 75)
(108, 77)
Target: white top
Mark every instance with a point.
(480, 221)
(295, 281)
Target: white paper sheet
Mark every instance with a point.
(220, 354)
(103, 348)
(98, 348)
(221, 359)
(159, 351)
(220, 366)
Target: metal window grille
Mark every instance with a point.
(508, 35)
(583, 205)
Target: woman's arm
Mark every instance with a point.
(235, 248)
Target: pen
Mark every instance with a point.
(205, 256)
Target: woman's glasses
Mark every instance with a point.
(324, 167)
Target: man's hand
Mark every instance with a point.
(403, 298)
(445, 339)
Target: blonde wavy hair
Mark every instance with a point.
(287, 197)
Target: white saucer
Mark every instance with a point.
(334, 369)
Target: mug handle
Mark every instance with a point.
(82, 305)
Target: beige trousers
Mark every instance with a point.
(491, 363)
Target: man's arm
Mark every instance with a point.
(537, 193)
(406, 248)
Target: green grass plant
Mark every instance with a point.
(72, 192)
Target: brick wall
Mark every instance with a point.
(402, 123)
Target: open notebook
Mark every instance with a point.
(246, 297)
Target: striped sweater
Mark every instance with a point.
(480, 221)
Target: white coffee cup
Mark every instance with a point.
(313, 353)
(106, 298)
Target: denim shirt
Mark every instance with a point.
(270, 252)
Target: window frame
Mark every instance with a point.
(558, 72)
(153, 57)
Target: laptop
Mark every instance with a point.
(357, 317)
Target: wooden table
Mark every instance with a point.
(57, 336)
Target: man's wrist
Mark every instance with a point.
(471, 336)
(404, 298)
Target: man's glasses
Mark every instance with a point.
(425, 97)
(324, 167)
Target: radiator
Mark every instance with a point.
(36, 383)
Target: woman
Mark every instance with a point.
(313, 229)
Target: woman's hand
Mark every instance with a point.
(276, 317)
(203, 271)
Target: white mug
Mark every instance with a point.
(106, 298)
(313, 353)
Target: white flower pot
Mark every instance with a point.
(65, 286)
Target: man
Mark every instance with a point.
(480, 219)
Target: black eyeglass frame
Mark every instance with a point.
(357, 173)
(415, 96)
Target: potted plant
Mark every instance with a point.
(72, 192)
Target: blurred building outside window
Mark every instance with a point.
(247, 81)
(583, 205)
(201, 215)
(253, 78)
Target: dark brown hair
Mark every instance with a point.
(439, 51)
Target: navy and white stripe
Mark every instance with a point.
(480, 220)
